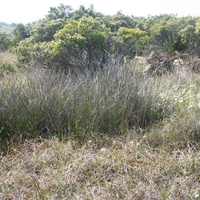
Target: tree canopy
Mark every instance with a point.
(85, 39)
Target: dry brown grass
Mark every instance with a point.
(8, 61)
(127, 168)
(7, 56)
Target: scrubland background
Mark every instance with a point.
(100, 107)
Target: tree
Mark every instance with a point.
(189, 37)
(45, 30)
(165, 33)
(20, 32)
(118, 20)
(82, 11)
(80, 44)
(130, 41)
(61, 12)
(4, 42)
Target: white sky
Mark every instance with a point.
(25, 11)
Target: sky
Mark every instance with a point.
(25, 11)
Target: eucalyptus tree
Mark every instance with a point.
(130, 41)
(80, 44)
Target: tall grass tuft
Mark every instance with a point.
(110, 102)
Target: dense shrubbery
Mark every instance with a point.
(85, 39)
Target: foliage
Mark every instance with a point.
(4, 42)
(85, 39)
(117, 21)
(167, 38)
(44, 31)
(61, 12)
(23, 51)
(80, 43)
(131, 41)
(20, 32)
(82, 11)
